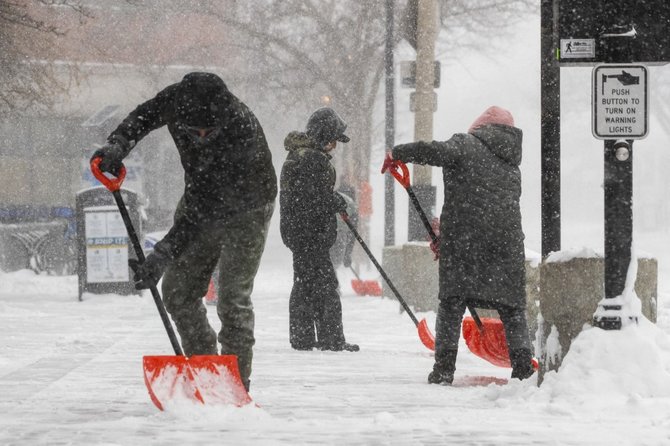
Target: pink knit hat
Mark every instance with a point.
(493, 115)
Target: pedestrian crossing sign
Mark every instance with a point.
(578, 49)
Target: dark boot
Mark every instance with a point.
(444, 368)
(522, 366)
(350, 347)
(340, 346)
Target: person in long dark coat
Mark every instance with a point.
(308, 211)
(222, 217)
(481, 239)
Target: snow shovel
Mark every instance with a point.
(478, 343)
(365, 287)
(425, 335)
(207, 379)
(488, 340)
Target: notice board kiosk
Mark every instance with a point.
(103, 247)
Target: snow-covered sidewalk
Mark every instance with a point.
(71, 373)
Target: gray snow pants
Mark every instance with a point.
(237, 245)
(315, 309)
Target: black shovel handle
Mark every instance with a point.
(345, 218)
(422, 215)
(114, 186)
(403, 178)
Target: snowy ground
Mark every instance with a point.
(71, 374)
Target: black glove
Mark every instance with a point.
(149, 273)
(340, 203)
(112, 155)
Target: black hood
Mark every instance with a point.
(201, 99)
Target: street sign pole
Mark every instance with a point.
(389, 131)
(550, 131)
(618, 187)
(619, 117)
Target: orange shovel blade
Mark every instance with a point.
(359, 287)
(490, 345)
(366, 287)
(425, 335)
(208, 379)
(374, 289)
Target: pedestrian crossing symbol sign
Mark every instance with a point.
(578, 49)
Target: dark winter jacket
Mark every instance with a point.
(233, 173)
(307, 203)
(481, 250)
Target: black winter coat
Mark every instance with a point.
(307, 203)
(231, 174)
(481, 250)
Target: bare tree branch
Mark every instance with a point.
(26, 30)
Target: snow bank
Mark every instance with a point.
(603, 368)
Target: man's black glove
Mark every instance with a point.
(150, 272)
(339, 202)
(112, 155)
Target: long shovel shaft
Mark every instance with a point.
(422, 214)
(345, 218)
(135, 241)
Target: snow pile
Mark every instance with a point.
(604, 368)
(27, 282)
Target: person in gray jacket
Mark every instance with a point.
(481, 246)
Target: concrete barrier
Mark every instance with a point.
(570, 292)
(413, 271)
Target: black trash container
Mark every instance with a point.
(103, 247)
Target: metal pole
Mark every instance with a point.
(550, 129)
(618, 214)
(618, 186)
(389, 195)
(423, 117)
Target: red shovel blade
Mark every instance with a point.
(366, 287)
(490, 345)
(425, 335)
(359, 287)
(374, 289)
(208, 379)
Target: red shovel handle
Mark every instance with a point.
(112, 184)
(402, 177)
